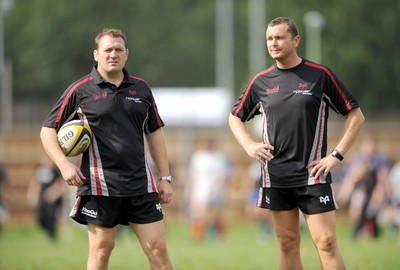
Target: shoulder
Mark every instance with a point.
(263, 76)
(137, 80)
(265, 72)
(82, 81)
(317, 67)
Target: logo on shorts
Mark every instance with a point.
(267, 199)
(159, 208)
(89, 213)
(324, 200)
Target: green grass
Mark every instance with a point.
(25, 248)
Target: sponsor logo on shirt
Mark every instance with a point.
(131, 97)
(303, 85)
(303, 89)
(324, 200)
(137, 100)
(272, 90)
(89, 213)
(100, 96)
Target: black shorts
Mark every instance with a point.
(312, 199)
(111, 211)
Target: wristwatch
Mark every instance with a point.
(168, 178)
(335, 153)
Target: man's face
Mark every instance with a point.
(280, 42)
(111, 55)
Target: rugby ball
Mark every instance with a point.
(74, 137)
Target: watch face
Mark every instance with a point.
(167, 178)
(336, 154)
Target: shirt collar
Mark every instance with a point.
(98, 79)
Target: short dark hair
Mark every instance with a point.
(292, 27)
(110, 32)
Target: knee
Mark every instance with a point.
(158, 247)
(103, 249)
(326, 243)
(289, 242)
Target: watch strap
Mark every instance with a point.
(167, 178)
(335, 153)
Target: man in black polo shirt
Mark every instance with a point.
(293, 97)
(115, 183)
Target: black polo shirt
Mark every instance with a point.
(115, 164)
(294, 105)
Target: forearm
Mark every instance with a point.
(49, 140)
(70, 172)
(240, 132)
(353, 124)
(158, 151)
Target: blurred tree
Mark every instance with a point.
(172, 43)
(360, 42)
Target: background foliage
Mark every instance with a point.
(172, 43)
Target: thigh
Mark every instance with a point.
(286, 223)
(321, 225)
(101, 236)
(150, 233)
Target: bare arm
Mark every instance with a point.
(352, 126)
(158, 152)
(257, 150)
(70, 172)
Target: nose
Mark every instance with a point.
(113, 54)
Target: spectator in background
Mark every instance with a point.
(209, 173)
(365, 188)
(3, 208)
(394, 178)
(45, 192)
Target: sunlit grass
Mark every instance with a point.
(28, 248)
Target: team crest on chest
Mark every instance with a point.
(303, 88)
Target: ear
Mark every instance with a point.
(296, 41)
(95, 55)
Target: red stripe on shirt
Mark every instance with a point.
(246, 92)
(335, 83)
(96, 173)
(67, 97)
(152, 180)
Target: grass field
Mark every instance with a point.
(26, 248)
